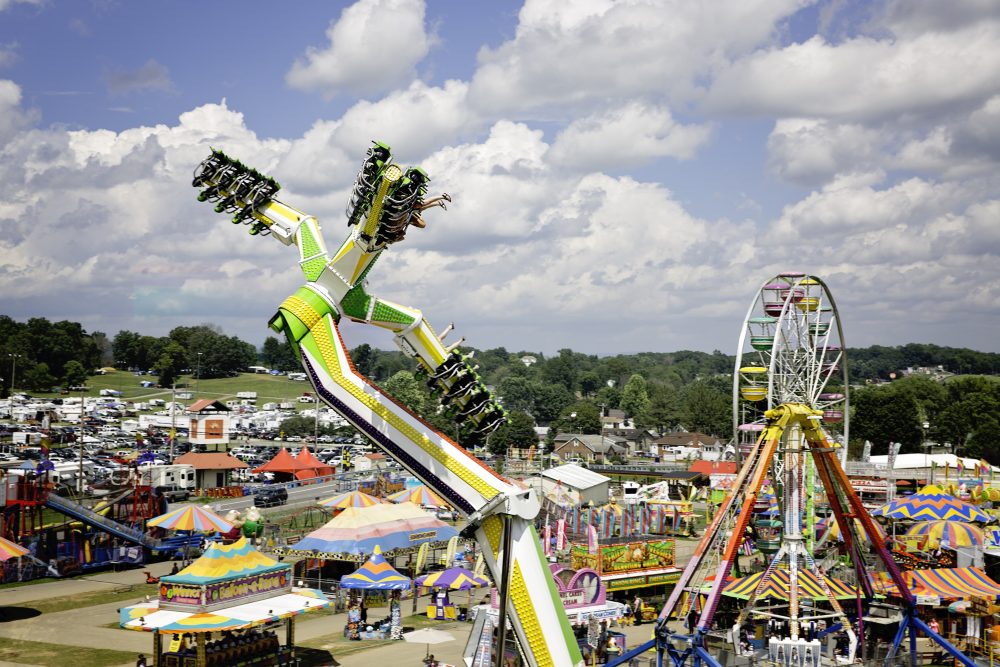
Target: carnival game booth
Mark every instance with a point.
(375, 575)
(224, 609)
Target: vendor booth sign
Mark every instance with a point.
(626, 557)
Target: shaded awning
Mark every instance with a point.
(376, 574)
(779, 584)
(958, 583)
(148, 617)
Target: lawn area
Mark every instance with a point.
(268, 387)
(58, 655)
(337, 644)
(129, 594)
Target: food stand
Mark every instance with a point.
(223, 609)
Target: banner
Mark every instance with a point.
(547, 540)
(480, 565)
(449, 557)
(422, 556)
(592, 539)
(561, 534)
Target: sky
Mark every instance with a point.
(625, 174)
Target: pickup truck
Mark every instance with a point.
(174, 493)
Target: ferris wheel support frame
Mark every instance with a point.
(846, 506)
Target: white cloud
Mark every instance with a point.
(374, 47)
(7, 4)
(625, 136)
(8, 54)
(864, 78)
(12, 117)
(811, 151)
(570, 56)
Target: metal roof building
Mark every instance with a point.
(590, 485)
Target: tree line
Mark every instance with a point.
(567, 391)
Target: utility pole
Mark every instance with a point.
(79, 442)
(13, 369)
(173, 421)
(316, 424)
(197, 376)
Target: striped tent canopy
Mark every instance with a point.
(226, 561)
(342, 501)
(418, 495)
(10, 550)
(959, 583)
(192, 517)
(953, 533)
(376, 574)
(778, 586)
(454, 578)
(931, 504)
(829, 529)
(354, 533)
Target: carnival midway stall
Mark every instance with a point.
(584, 597)
(342, 501)
(441, 607)
(224, 609)
(8, 551)
(375, 575)
(352, 536)
(418, 495)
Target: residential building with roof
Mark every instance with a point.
(211, 469)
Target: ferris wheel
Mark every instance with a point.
(791, 350)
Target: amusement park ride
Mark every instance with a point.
(791, 379)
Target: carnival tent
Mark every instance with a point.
(829, 529)
(342, 501)
(10, 550)
(355, 532)
(376, 574)
(418, 495)
(225, 560)
(283, 463)
(311, 464)
(191, 517)
(960, 583)
(950, 533)
(779, 584)
(931, 504)
(454, 578)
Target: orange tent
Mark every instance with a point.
(283, 462)
(307, 460)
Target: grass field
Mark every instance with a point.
(58, 655)
(268, 387)
(125, 594)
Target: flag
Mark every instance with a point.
(960, 465)
(984, 467)
(422, 556)
(747, 546)
(480, 564)
(450, 552)
(560, 534)
(592, 539)
(547, 540)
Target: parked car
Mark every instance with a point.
(174, 493)
(270, 495)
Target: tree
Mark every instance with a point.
(580, 417)
(172, 361)
(881, 415)
(519, 431)
(662, 413)
(549, 401)
(517, 393)
(635, 399)
(590, 383)
(278, 354)
(37, 378)
(363, 357)
(403, 386)
(74, 373)
(705, 407)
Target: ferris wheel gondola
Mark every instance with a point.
(791, 350)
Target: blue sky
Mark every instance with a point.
(625, 174)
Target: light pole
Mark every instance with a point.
(924, 425)
(316, 424)
(13, 369)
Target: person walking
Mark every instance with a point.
(140, 661)
(637, 610)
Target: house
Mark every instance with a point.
(615, 419)
(591, 486)
(373, 462)
(211, 469)
(698, 445)
(209, 422)
(591, 448)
